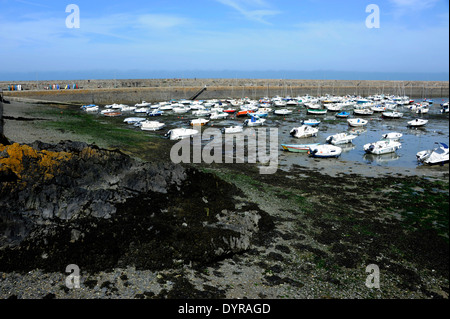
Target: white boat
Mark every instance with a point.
(304, 131)
(233, 130)
(199, 122)
(317, 111)
(341, 138)
(392, 115)
(311, 122)
(142, 110)
(279, 103)
(422, 110)
(444, 108)
(127, 108)
(154, 113)
(91, 108)
(151, 126)
(378, 108)
(115, 106)
(394, 136)
(364, 111)
(165, 107)
(180, 109)
(334, 107)
(201, 113)
(417, 123)
(357, 122)
(218, 115)
(325, 151)
(282, 112)
(382, 147)
(436, 156)
(254, 121)
(143, 104)
(181, 133)
(133, 120)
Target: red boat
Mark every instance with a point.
(230, 111)
(244, 113)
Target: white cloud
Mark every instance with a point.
(404, 6)
(254, 10)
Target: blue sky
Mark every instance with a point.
(131, 38)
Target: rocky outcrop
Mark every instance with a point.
(74, 203)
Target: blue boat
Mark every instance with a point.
(311, 122)
(343, 115)
(155, 113)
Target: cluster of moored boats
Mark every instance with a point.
(255, 113)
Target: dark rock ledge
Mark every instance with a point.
(73, 203)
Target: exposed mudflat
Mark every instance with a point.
(322, 228)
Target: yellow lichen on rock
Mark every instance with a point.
(47, 161)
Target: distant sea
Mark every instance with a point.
(221, 74)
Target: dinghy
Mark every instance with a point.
(254, 121)
(325, 151)
(357, 122)
(298, 148)
(199, 122)
(181, 133)
(200, 113)
(363, 111)
(304, 131)
(343, 115)
(133, 120)
(317, 111)
(233, 130)
(151, 126)
(394, 136)
(218, 115)
(143, 104)
(392, 115)
(436, 156)
(382, 147)
(341, 138)
(282, 112)
(155, 113)
(417, 123)
(311, 122)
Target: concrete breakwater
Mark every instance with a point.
(154, 90)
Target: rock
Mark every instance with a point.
(75, 203)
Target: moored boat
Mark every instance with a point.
(181, 133)
(304, 131)
(325, 151)
(382, 147)
(233, 130)
(437, 156)
(392, 115)
(341, 138)
(357, 122)
(151, 126)
(298, 148)
(392, 136)
(254, 121)
(311, 122)
(317, 111)
(417, 123)
(199, 122)
(343, 115)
